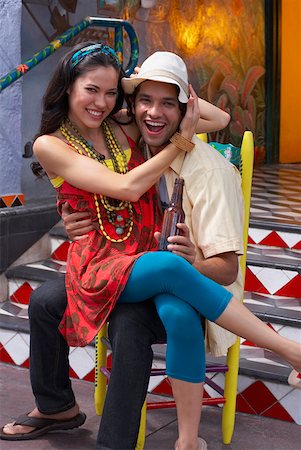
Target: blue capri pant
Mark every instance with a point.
(180, 292)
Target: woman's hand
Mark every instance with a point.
(77, 224)
(181, 245)
(211, 118)
(135, 73)
(189, 123)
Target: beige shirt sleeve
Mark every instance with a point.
(217, 213)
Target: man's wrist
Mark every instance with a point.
(182, 143)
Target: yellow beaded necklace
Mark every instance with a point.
(120, 166)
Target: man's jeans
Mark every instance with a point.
(133, 328)
(49, 365)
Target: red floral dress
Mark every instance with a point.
(98, 269)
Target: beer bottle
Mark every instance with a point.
(173, 214)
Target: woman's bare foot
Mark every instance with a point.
(294, 379)
(12, 429)
(187, 445)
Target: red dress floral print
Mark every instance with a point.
(98, 269)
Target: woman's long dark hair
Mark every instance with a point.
(55, 101)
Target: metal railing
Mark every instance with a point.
(117, 24)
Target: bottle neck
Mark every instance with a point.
(177, 194)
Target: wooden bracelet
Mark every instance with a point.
(182, 143)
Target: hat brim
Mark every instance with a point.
(130, 84)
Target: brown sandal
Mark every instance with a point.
(42, 426)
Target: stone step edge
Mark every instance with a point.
(58, 231)
(274, 225)
(279, 316)
(274, 262)
(32, 273)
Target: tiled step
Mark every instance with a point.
(274, 234)
(22, 226)
(276, 192)
(275, 215)
(274, 271)
(269, 271)
(282, 313)
(59, 242)
(14, 348)
(14, 325)
(285, 311)
(23, 279)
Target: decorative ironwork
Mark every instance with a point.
(117, 24)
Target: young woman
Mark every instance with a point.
(81, 150)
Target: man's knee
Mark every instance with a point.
(50, 296)
(125, 325)
(136, 321)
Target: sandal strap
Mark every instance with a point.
(35, 422)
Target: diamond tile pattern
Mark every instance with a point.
(60, 249)
(277, 271)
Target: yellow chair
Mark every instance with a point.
(231, 377)
(244, 159)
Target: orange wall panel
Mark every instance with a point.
(290, 96)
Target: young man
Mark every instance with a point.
(212, 241)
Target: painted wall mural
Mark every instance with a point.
(222, 42)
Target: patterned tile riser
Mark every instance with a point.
(255, 397)
(14, 349)
(9, 201)
(274, 238)
(266, 280)
(16, 345)
(263, 280)
(268, 238)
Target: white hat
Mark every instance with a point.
(161, 66)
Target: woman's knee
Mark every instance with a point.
(180, 320)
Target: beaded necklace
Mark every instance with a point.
(111, 206)
(99, 156)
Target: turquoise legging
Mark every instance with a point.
(179, 292)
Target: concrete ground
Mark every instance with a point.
(251, 432)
